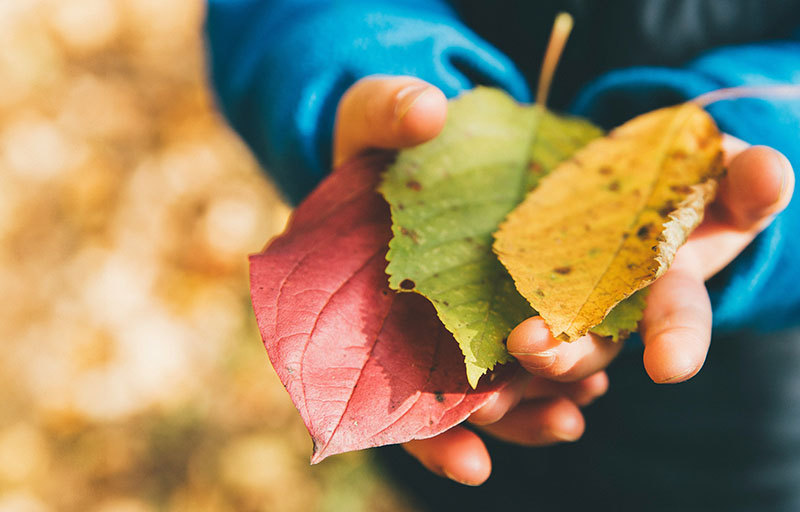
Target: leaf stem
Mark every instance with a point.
(757, 91)
(562, 26)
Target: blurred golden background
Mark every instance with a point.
(133, 376)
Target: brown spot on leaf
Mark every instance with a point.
(614, 186)
(414, 185)
(562, 270)
(719, 169)
(539, 292)
(410, 234)
(407, 284)
(606, 170)
(668, 208)
(681, 189)
(679, 154)
(644, 231)
(439, 396)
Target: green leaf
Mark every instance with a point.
(447, 198)
(624, 318)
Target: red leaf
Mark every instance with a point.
(365, 366)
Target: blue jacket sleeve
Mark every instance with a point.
(280, 66)
(760, 289)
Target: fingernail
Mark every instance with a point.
(407, 97)
(462, 482)
(536, 360)
(786, 168)
(564, 436)
(679, 377)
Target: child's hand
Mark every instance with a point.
(542, 406)
(388, 113)
(676, 328)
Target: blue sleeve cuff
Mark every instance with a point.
(759, 289)
(280, 68)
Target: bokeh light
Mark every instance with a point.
(134, 378)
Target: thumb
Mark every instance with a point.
(759, 184)
(388, 113)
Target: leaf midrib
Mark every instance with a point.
(674, 129)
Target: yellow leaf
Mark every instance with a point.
(608, 222)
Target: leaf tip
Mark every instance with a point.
(563, 337)
(474, 374)
(318, 453)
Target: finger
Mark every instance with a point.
(758, 185)
(540, 423)
(502, 402)
(457, 454)
(532, 343)
(676, 326)
(387, 112)
(582, 392)
(526, 386)
(731, 147)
